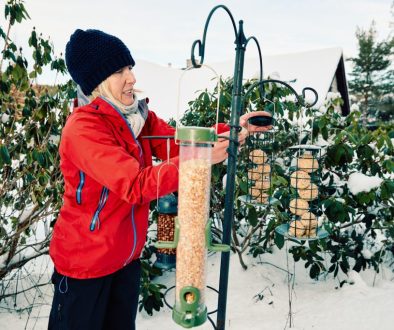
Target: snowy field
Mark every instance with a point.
(365, 302)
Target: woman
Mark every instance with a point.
(109, 182)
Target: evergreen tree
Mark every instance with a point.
(372, 76)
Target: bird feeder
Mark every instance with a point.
(193, 227)
(304, 205)
(167, 207)
(259, 167)
(259, 156)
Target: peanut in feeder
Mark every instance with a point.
(167, 207)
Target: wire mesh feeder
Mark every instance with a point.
(167, 208)
(259, 157)
(304, 206)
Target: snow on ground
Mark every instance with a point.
(316, 304)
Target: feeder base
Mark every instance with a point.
(247, 199)
(196, 319)
(284, 231)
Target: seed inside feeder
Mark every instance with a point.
(308, 194)
(259, 195)
(189, 297)
(259, 173)
(309, 220)
(299, 206)
(296, 229)
(307, 163)
(263, 198)
(263, 184)
(254, 174)
(193, 212)
(165, 231)
(258, 156)
(300, 179)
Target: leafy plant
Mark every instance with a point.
(360, 225)
(32, 116)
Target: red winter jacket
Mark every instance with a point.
(109, 182)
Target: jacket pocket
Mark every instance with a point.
(80, 187)
(96, 217)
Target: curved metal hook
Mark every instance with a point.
(201, 44)
(300, 100)
(262, 92)
(315, 94)
(262, 82)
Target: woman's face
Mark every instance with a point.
(121, 84)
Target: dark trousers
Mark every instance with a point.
(105, 303)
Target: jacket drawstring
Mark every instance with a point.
(64, 278)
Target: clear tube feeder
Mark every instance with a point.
(192, 237)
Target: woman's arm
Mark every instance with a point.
(90, 145)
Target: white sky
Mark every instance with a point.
(163, 31)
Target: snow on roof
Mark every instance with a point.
(314, 69)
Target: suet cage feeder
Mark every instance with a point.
(305, 204)
(258, 153)
(259, 165)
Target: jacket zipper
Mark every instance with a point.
(96, 219)
(128, 126)
(80, 186)
(143, 163)
(134, 236)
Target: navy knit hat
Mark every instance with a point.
(92, 56)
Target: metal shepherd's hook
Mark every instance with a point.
(236, 108)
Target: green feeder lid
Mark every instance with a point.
(196, 134)
(168, 204)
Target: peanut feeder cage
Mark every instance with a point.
(167, 208)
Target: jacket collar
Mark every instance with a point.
(103, 107)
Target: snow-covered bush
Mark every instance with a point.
(32, 116)
(358, 216)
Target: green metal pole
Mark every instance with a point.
(236, 108)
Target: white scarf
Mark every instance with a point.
(134, 117)
(131, 112)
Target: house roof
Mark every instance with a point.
(170, 88)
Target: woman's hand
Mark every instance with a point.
(243, 121)
(219, 151)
